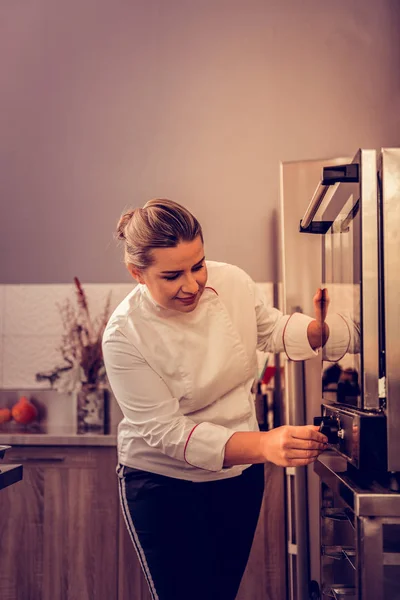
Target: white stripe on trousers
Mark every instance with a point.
(135, 539)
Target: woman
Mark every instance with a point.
(180, 354)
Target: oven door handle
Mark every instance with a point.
(331, 177)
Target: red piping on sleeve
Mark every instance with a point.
(187, 441)
(283, 336)
(348, 345)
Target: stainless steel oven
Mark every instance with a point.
(356, 211)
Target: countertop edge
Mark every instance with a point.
(45, 439)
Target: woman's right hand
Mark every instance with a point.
(293, 446)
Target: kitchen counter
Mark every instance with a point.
(57, 436)
(9, 474)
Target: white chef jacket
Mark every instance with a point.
(183, 380)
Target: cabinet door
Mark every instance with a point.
(59, 526)
(265, 575)
(21, 535)
(81, 527)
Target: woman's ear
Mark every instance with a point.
(135, 272)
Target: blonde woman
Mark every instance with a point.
(180, 354)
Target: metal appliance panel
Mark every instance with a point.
(342, 273)
(362, 437)
(350, 273)
(390, 175)
(369, 286)
(344, 209)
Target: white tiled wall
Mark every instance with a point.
(31, 327)
(2, 291)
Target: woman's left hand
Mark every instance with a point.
(321, 302)
(318, 330)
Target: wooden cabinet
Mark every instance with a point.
(63, 536)
(265, 575)
(60, 528)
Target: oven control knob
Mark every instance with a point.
(330, 427)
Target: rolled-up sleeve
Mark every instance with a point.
(344, 336)
(277, 332)
(154, 413)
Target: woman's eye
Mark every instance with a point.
(171, 277)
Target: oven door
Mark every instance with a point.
(344, 210)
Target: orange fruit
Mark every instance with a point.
(23, 411)
(5, 415)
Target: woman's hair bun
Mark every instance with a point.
(123, 223)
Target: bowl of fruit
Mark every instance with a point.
(22, 413)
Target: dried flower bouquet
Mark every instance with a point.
(81, 345)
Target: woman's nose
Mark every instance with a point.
(190, 285)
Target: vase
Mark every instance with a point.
(91, 409)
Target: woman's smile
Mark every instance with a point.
(188, 300)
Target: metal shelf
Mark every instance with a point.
(340, 591)
(336, 514)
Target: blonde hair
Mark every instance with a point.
(159, 224)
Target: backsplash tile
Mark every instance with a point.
(31, 327)
(1, 361)
(2, 293)
(32, 310)
(25, 355)
(97, 294)
(1, 333)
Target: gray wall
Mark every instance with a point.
(107, 103)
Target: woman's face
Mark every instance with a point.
(177, 277)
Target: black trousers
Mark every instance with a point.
(193, 539)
